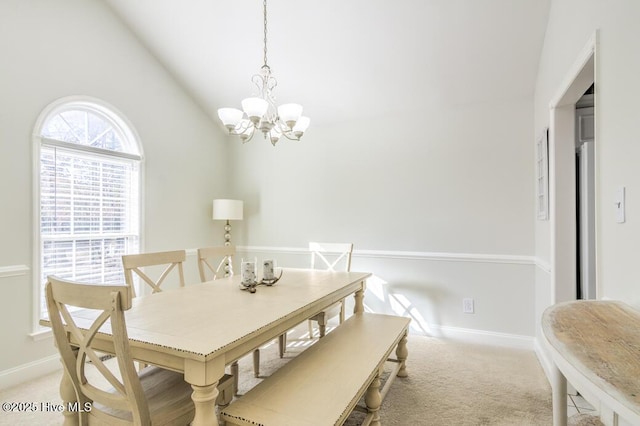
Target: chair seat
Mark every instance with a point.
(168, 396)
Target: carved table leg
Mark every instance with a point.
(373, 400)
(204, 400)
(402, 353)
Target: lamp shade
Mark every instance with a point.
(255, 107)
(227, 209)
(230, 117)
(290, 113)
(302, 124)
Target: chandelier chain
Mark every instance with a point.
(264, 4)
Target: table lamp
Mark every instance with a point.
(224, 209)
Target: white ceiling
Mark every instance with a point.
(347, 59)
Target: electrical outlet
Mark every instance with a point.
(467, 305)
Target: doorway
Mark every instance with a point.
(563, 188)
(585, 196)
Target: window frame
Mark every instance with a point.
(129, 135)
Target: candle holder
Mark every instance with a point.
(250, 286)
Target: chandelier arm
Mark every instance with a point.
(249, 138)
(240, 129)
(291, 138)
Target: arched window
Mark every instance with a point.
(89, 193)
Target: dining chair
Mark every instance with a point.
(170, 260)
(332, 257)
(133, 262)
(215, 262)
(116, 392)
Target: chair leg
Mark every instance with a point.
(322, 324)
(282, 344)
(256, 362)
(341, 311)
(310, 329)
(234, 373)
(225, 391)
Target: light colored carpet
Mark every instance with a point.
(454, 384)
(448, 384)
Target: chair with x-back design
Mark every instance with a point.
(116, 393)
(333, 257)
(133, 262)
(215, 262)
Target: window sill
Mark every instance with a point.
(43, 334)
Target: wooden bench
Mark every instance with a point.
(323, 384)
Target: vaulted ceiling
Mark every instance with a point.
(346, 59)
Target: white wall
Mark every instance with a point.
(55, 49)
(571, 24)
(451, 180)
(438, 201)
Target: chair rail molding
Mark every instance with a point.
(543, 265)
(13, 271)
(414, 255)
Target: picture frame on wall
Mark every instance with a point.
(542, 175)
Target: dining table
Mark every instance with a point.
(201, 328)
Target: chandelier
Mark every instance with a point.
(260, 112)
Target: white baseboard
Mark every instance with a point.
(467, 335)
(30, 371)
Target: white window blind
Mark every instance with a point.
(89, 206)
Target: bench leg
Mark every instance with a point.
(402, 353)
(373, 400)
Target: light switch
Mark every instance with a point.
(619, 205)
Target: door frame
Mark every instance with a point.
(562, 180)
